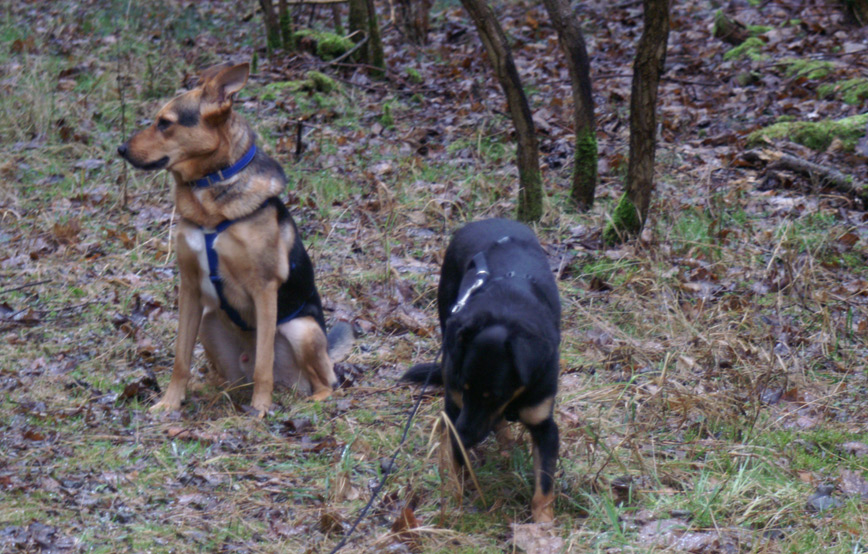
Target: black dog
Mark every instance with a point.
(500, 318)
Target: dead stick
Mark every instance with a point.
(347, 54)
(24, 286)
(123, 123)
(299, 126)
(824, 174)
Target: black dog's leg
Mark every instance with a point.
(545, 458)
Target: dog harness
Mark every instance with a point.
(481, 277)
(213, 259)
(214, 276)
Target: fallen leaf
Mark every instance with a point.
(854, 448)
(823, 500)
(344, 489)
(330, 522)
(853, 484)
(404, 525)
(537, 538)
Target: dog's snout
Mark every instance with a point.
(122, 150)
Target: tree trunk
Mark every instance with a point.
(527, 151)
(375, 44)
(573, 43)
(272, 26)
(632, 210)
(336, 16)
(285, 20)
(414, 19)
(362, 21)
(857, 10)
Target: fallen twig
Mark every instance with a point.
(346, 54)
(25, 286)
(825, 175)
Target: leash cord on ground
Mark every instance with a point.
(387, 471)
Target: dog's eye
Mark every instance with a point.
(163, 124)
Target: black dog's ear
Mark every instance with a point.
(528, 352)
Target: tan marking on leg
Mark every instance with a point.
(534, 415)
(542, 505)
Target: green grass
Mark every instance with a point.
(659, 385)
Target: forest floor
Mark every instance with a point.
(714, 384)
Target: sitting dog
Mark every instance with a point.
(500, 320)
(247, 284)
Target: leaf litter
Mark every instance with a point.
(739, 313)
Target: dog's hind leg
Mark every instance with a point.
(309, 347)
(230, 352)
(545, 457)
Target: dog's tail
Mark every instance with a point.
(340, 341)
(420, 373)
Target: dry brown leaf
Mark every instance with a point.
(537, 538)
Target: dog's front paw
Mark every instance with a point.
(261, 404)
(321, 394)
(171, 402)
(542, 508)
(165, 406)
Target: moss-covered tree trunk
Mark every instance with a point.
(272, 26)
(285, 20)
(632, 210)
(363, 23)
(494, 39)
(573, 44)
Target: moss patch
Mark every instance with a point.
(810, 69)
(816, 135)
(751, 48)
(414, 75)
(755, 30)
(851, 91)
(625, 222)
(327, 46)
(314, 82)
(320, 82)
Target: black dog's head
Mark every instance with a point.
(485, 368)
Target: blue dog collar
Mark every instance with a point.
(228, 172)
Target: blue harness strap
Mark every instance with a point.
(213, 264)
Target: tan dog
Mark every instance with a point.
(247, 285)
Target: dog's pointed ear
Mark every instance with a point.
(220, 86)
(209, 73)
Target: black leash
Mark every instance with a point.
(387, 471)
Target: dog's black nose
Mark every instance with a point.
(122, 150)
